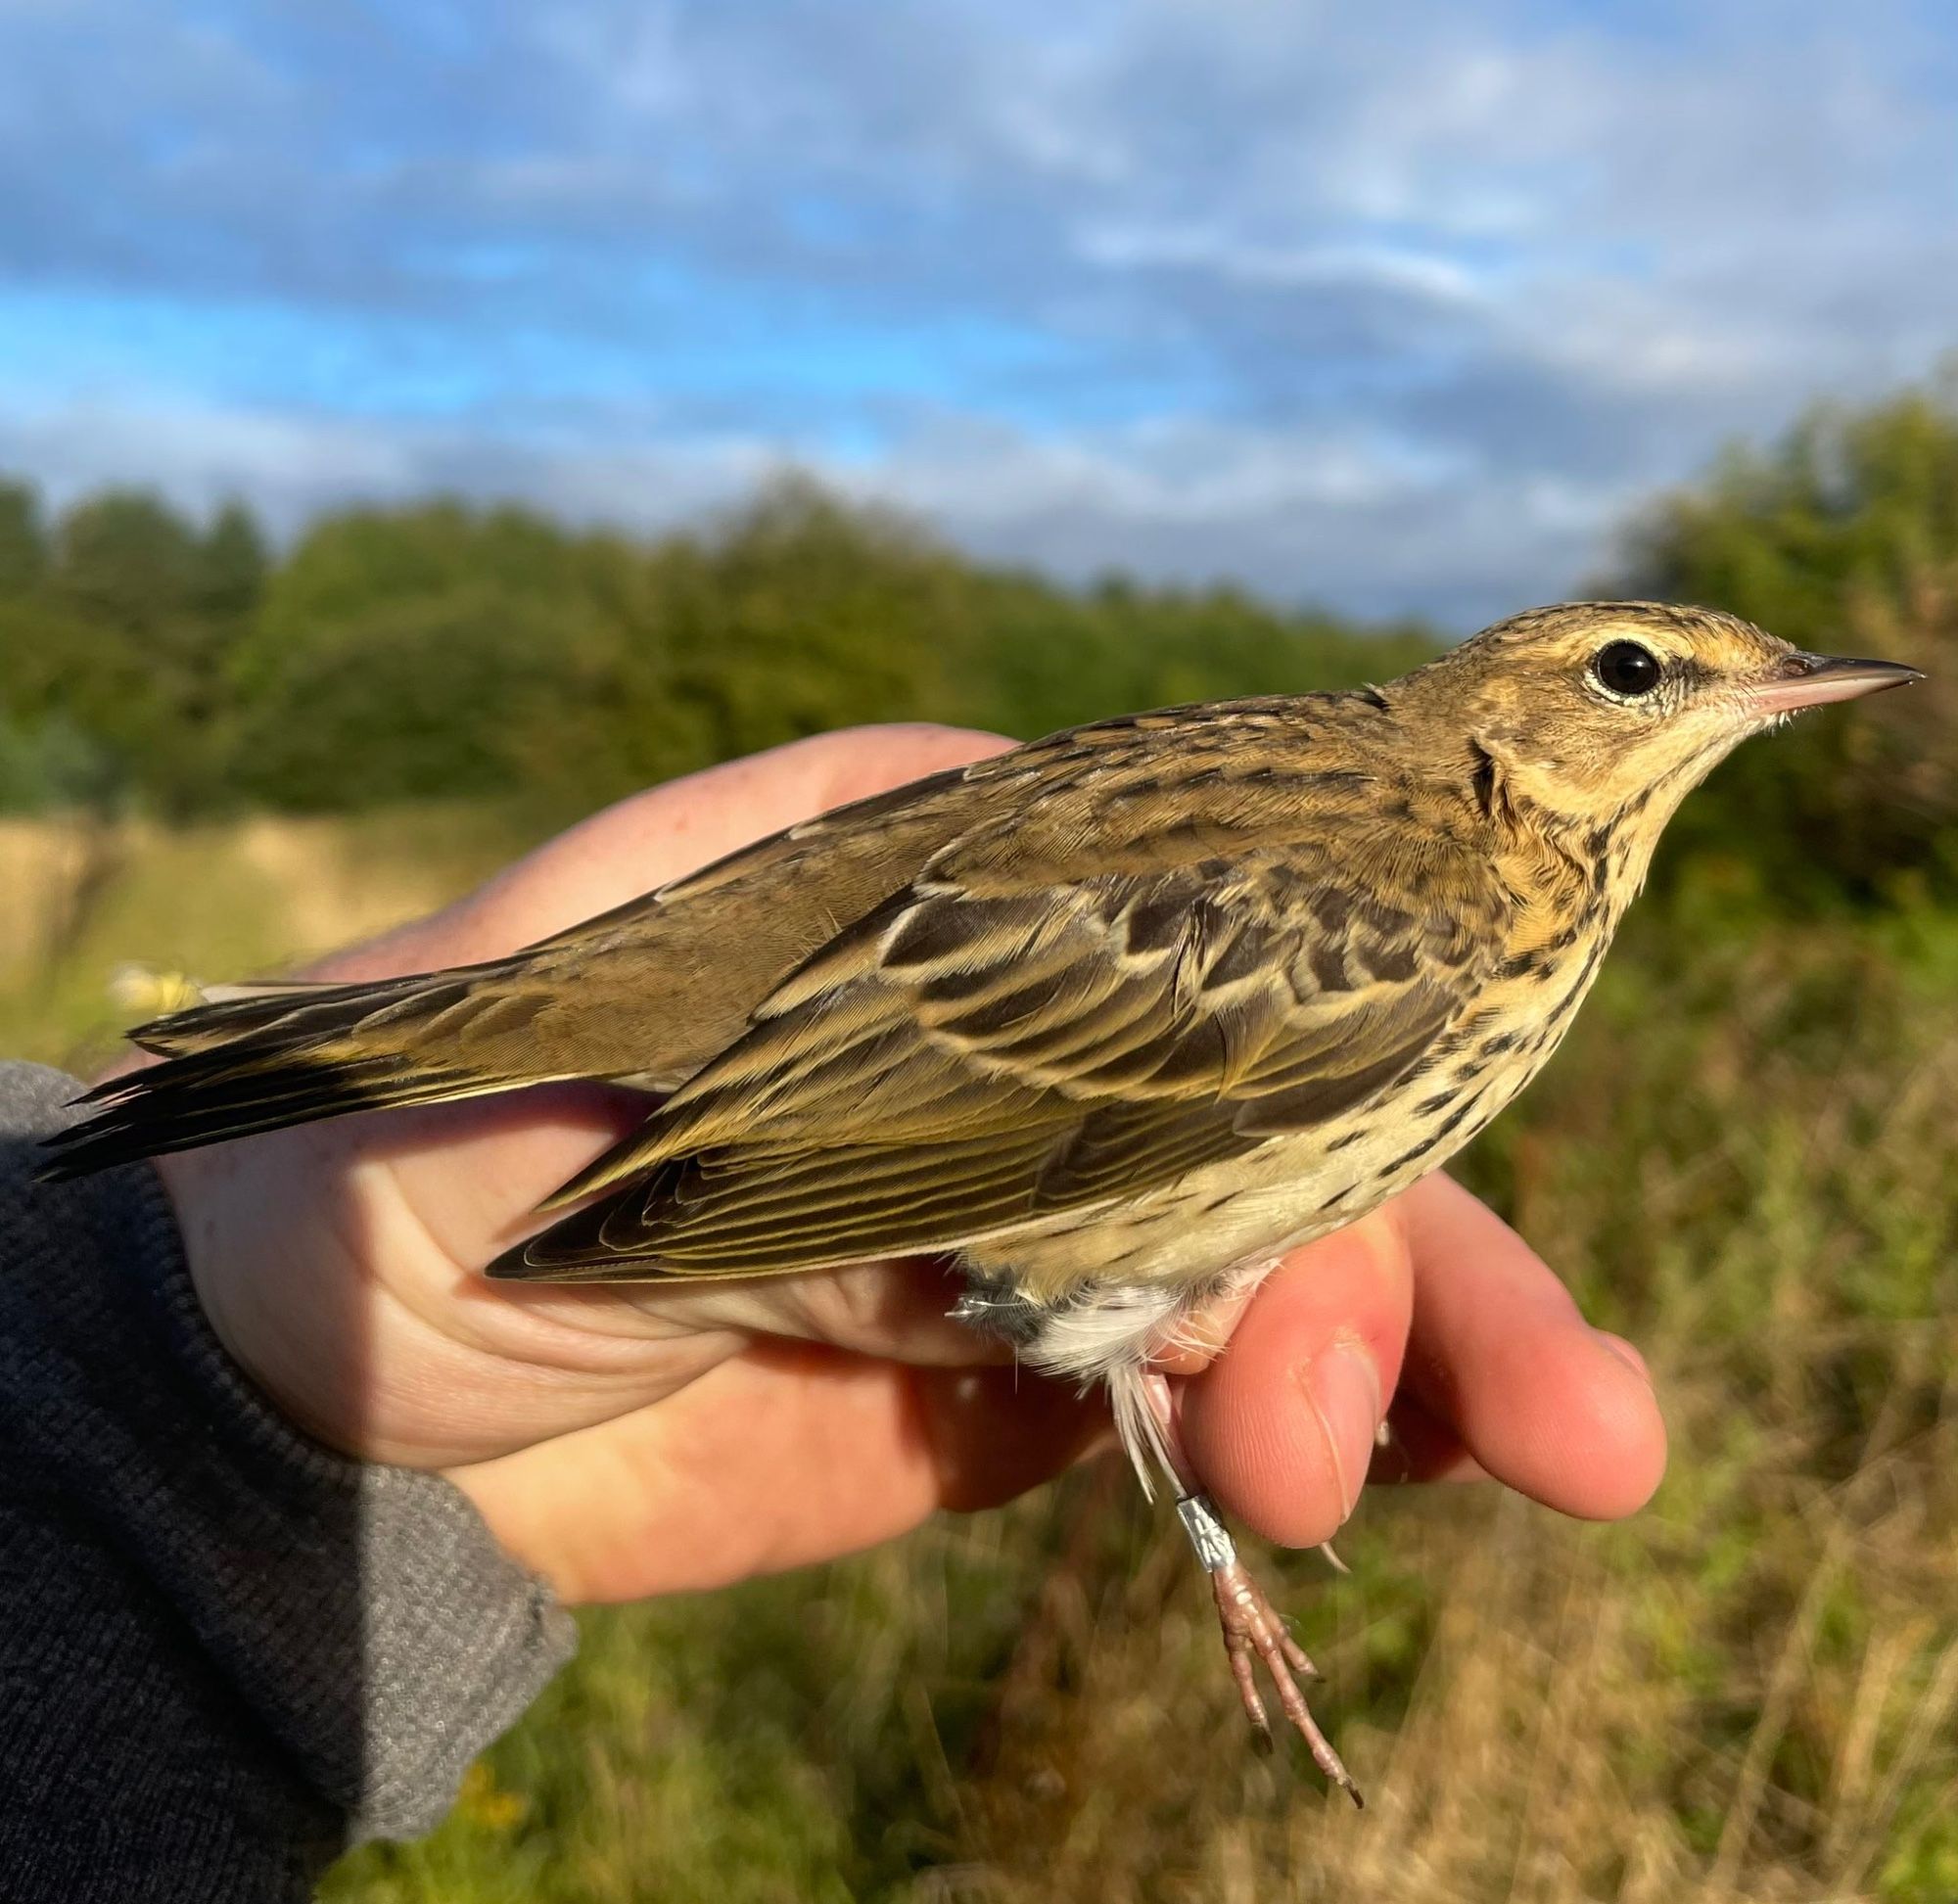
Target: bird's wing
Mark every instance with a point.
(650, 993)
(1024, 1031)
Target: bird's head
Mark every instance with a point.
(1593, 712)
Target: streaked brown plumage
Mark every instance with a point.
(1117, 1017)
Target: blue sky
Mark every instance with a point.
(1400, 307)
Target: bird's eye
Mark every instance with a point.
(1625, 668)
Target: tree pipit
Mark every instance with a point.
(1114, 1019)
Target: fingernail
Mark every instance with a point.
(1343, 1387)
(1625, 1353)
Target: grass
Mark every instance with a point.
(1742, 1159)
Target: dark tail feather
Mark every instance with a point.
(289, 1056)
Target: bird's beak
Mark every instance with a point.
(1810, 680)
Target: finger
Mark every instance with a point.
(1421, 1446)
(774, 1460)
(644, 841)
(1201, 1337)
(1500, 1354)
(1281, 1426)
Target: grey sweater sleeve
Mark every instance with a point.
(225, 1652)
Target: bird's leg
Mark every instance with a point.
(1251, 1626)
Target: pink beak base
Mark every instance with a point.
(1814, 681)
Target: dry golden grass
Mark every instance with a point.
(86, 898)
(1744, 1160)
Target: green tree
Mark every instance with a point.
(1047, 657)
(794, 615)
(233, 562)
(402, 653)
(23, 541)
(126, 647)
(426, 696)
(1842, 538)
(447, 649)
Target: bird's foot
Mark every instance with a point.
(1254, 1633)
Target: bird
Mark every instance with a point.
(1114, 1020)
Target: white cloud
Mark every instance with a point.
(1304, 518)
(1395, 305)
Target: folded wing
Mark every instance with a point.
(983, 1052)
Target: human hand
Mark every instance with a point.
(642, 1438)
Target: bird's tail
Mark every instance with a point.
(282, 1054)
